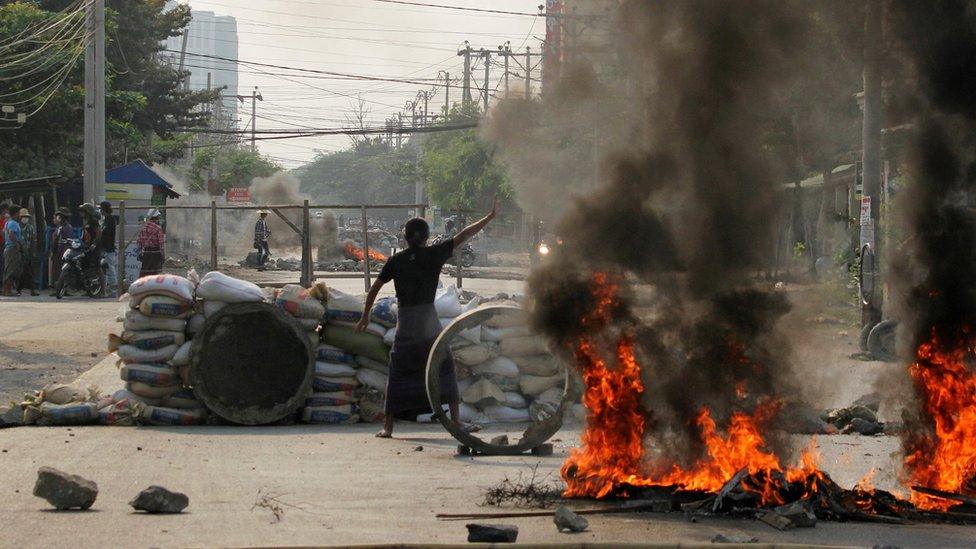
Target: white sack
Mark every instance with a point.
(333, 369)
(170, 285)
(217, 286)
(524, 346)
(372, 378)
(447, 302)
(136, 321)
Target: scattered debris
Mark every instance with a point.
(492, 533)
(418, 449)
(543, 450)
(568, 521)
(863, 427)
(794, 515)
(531, 491)
(861, 417)
(500, 440)
(157, 499)
(64, 491)
(734, 538)
(273, 503)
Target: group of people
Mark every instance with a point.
(18, 235)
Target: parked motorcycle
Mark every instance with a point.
(78, 274)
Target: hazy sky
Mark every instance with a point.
(364, 37)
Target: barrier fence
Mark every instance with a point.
(307, 276)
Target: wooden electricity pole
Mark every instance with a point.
(871, 301)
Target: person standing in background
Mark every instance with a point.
(151, 241)
(12, 254)
(107, 244)
(4, 215)
(28, 231)
(63, 232)
(261, 235)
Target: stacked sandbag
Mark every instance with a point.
(61, 404)
(509, 375)
(154, 351)
(306, 305)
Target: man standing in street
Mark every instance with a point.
(28, 274)
(261, 234)
(13, 260)
(63, 232)
(4, 209)
(106, 241)
(151, 241)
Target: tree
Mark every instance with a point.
(145, 102)
(369, 172)
(459, 168)
(232, 168)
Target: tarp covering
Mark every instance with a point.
(138, 173)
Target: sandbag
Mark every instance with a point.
(217, 286)
(149, 391)
(372, 378)
(507, 319)
(314, 337)
(471, 305)
(124, 395)
(184, 399)
(119, 415)
(447, 302)
(128, 353)
(356, 343)
(308, 324)
(551, 396)
(165, 307)
(169, 285)
(495, 335)
(390, 336)
(375, 365)
(336, 398)
(136, 321)
(514, 400)
(194, 324)
(536, 385)
(470, 414)
(298, 302)
(323, 384)
(524, 346)
(384, 312)
(343, 307)
(499, 365)
(157, 415)
(156, 375)
(377, 330)
(541, 410)
(146, 340)
(473, 355)
(372, 404)
(471, 334)
(483, 392)
(331, 353)
(330, 415)
(73, 413)
(505, 414)
(182, 355)
(538, 365)
(333, 369)
(211, 308)
(60, 393)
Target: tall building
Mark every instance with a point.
(216, 36)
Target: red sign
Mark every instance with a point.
(238, 194)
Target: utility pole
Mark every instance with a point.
(447, 94)
(255, 97)
(505, 51)
(466, 86)
(94, 180)
(399, 135)
(871, 301)
(528, 72)
(487, 56)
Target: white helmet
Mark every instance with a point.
(153, 213)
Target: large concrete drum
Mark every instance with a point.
(252, 364)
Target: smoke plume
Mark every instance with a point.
(685, 206)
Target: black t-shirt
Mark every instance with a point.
(107, 239)
(415, 272)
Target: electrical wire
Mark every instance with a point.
(462, 8)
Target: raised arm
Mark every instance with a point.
(368, 307)
(465, 234)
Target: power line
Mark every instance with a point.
(462, 8)
(314, 132)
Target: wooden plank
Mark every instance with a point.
(308, 273)
(945, 495)
(287, 221)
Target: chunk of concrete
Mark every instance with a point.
(157, 499)
(64, 491)
(492, 533)
(568, 521)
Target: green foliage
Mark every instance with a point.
(369, 172)
(459, 168)
(233, 168)
(144, 99)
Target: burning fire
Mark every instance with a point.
(946, 459)
(612, 452)
(352, 251)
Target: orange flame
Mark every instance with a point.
(612, 453)
(354, 252)
(945, 460)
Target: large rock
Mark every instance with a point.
(157, 499)
(11, 417)
(64, 491)
(568, 521)
(864, 427)
(492, 533)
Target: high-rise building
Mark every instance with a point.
(215, 36)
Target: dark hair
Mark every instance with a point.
(416, 232)
(106, 205)
(14, 210)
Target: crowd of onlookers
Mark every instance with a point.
(30, 259)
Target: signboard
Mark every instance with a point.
(128, 191)
(865, 210)
(132, 263)
(867, 224)
(238, 195)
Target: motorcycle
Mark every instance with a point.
(75, 275)
(466, 253)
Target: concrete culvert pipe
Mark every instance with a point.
(252, 364)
